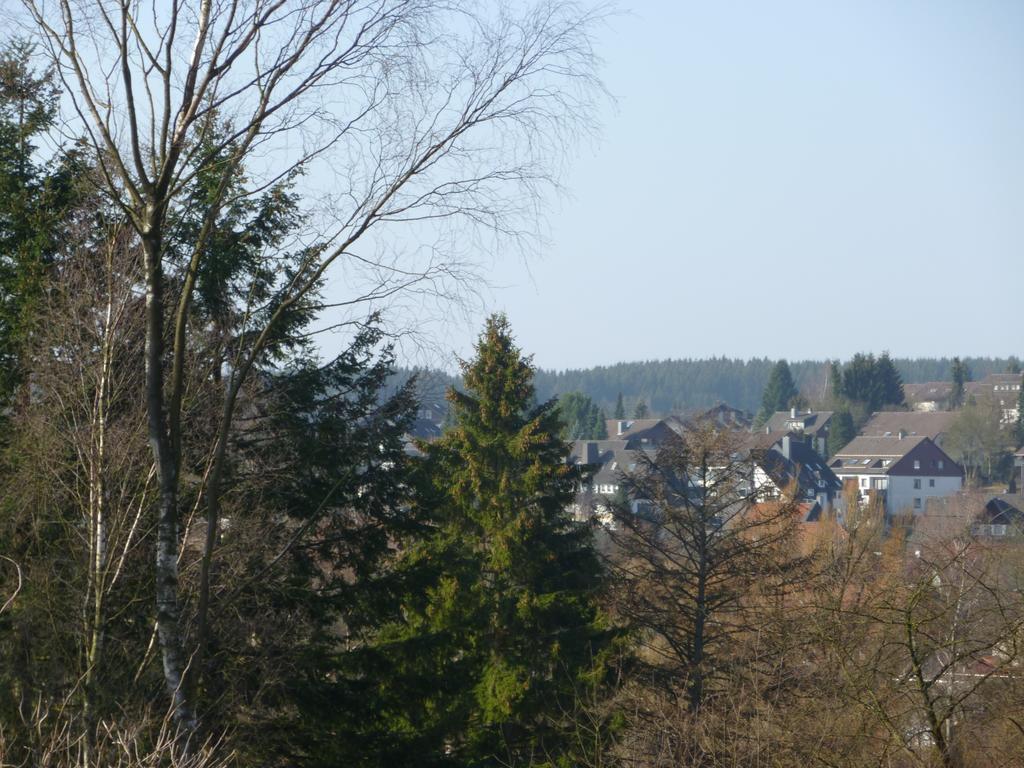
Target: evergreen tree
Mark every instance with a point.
(835, 381)
(582, 418)
(35, 198)
(1013, 365)
(778, 393)
(841, 431)
(498, 623)
(620, 408)
(861, 382)
(641, 411)
(890, 383)
(960, 374)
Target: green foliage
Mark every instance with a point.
(328, 463)
(960, 374)
(620, 408)
(835, 381)
(890, 383)
(683, 386)
(873, 383)
(498, 626)
(582, 418)
(35, 199)
(641, 411)
(779, 392)
(841, 431)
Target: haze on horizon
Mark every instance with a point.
(796, 179)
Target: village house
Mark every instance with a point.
(928, 395)
(903, 471)
(1003, 388)
(931, 424)
(812, 424)
(792, 469)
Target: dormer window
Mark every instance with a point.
(917, 464)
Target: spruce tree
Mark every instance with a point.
(499, 625)
(835, 381)
(620, 408)
(641, 411)
(779, 392)
(960, 375)
(841, 431)
(890, 383)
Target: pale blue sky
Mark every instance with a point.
(790, 179)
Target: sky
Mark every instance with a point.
(787, 179)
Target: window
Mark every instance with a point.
(917, 464)
(931, 482)
(917, 502)
(941, 464)
(863, 482)
(998, 530)
(917, 483)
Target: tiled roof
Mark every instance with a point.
(913, 423)
(928, 391)
(810, 421)
(865, 446)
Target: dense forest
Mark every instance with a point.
(682, 386)
(220, 548)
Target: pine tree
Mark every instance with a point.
(835, 381)
(498, 624)
(620, 408)
(641, 411)
(35, 199)
(779, 392)
(960, 375)
(841, 431)
(890, 382)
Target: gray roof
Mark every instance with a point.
(810, 422)
(872, 455)
(928, 391)
(613, 458)
(931, 424)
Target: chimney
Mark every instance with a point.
(792, 413)
(623, 426)
(901, 434)
(590, 453)
(787, 448)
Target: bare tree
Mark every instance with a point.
(445, 114)
(922, 643)
(704, 562)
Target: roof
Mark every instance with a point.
(927, 391)
(803, 466)
(869, 455)
(1005, 508)
(890, 447)
(993, 380)
(629, 427)
(873, 455)
(810, 422)
(724, 416)
(612, 458)
(931, 424)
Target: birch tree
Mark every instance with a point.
(417, 113)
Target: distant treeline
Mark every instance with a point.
(680, 386)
